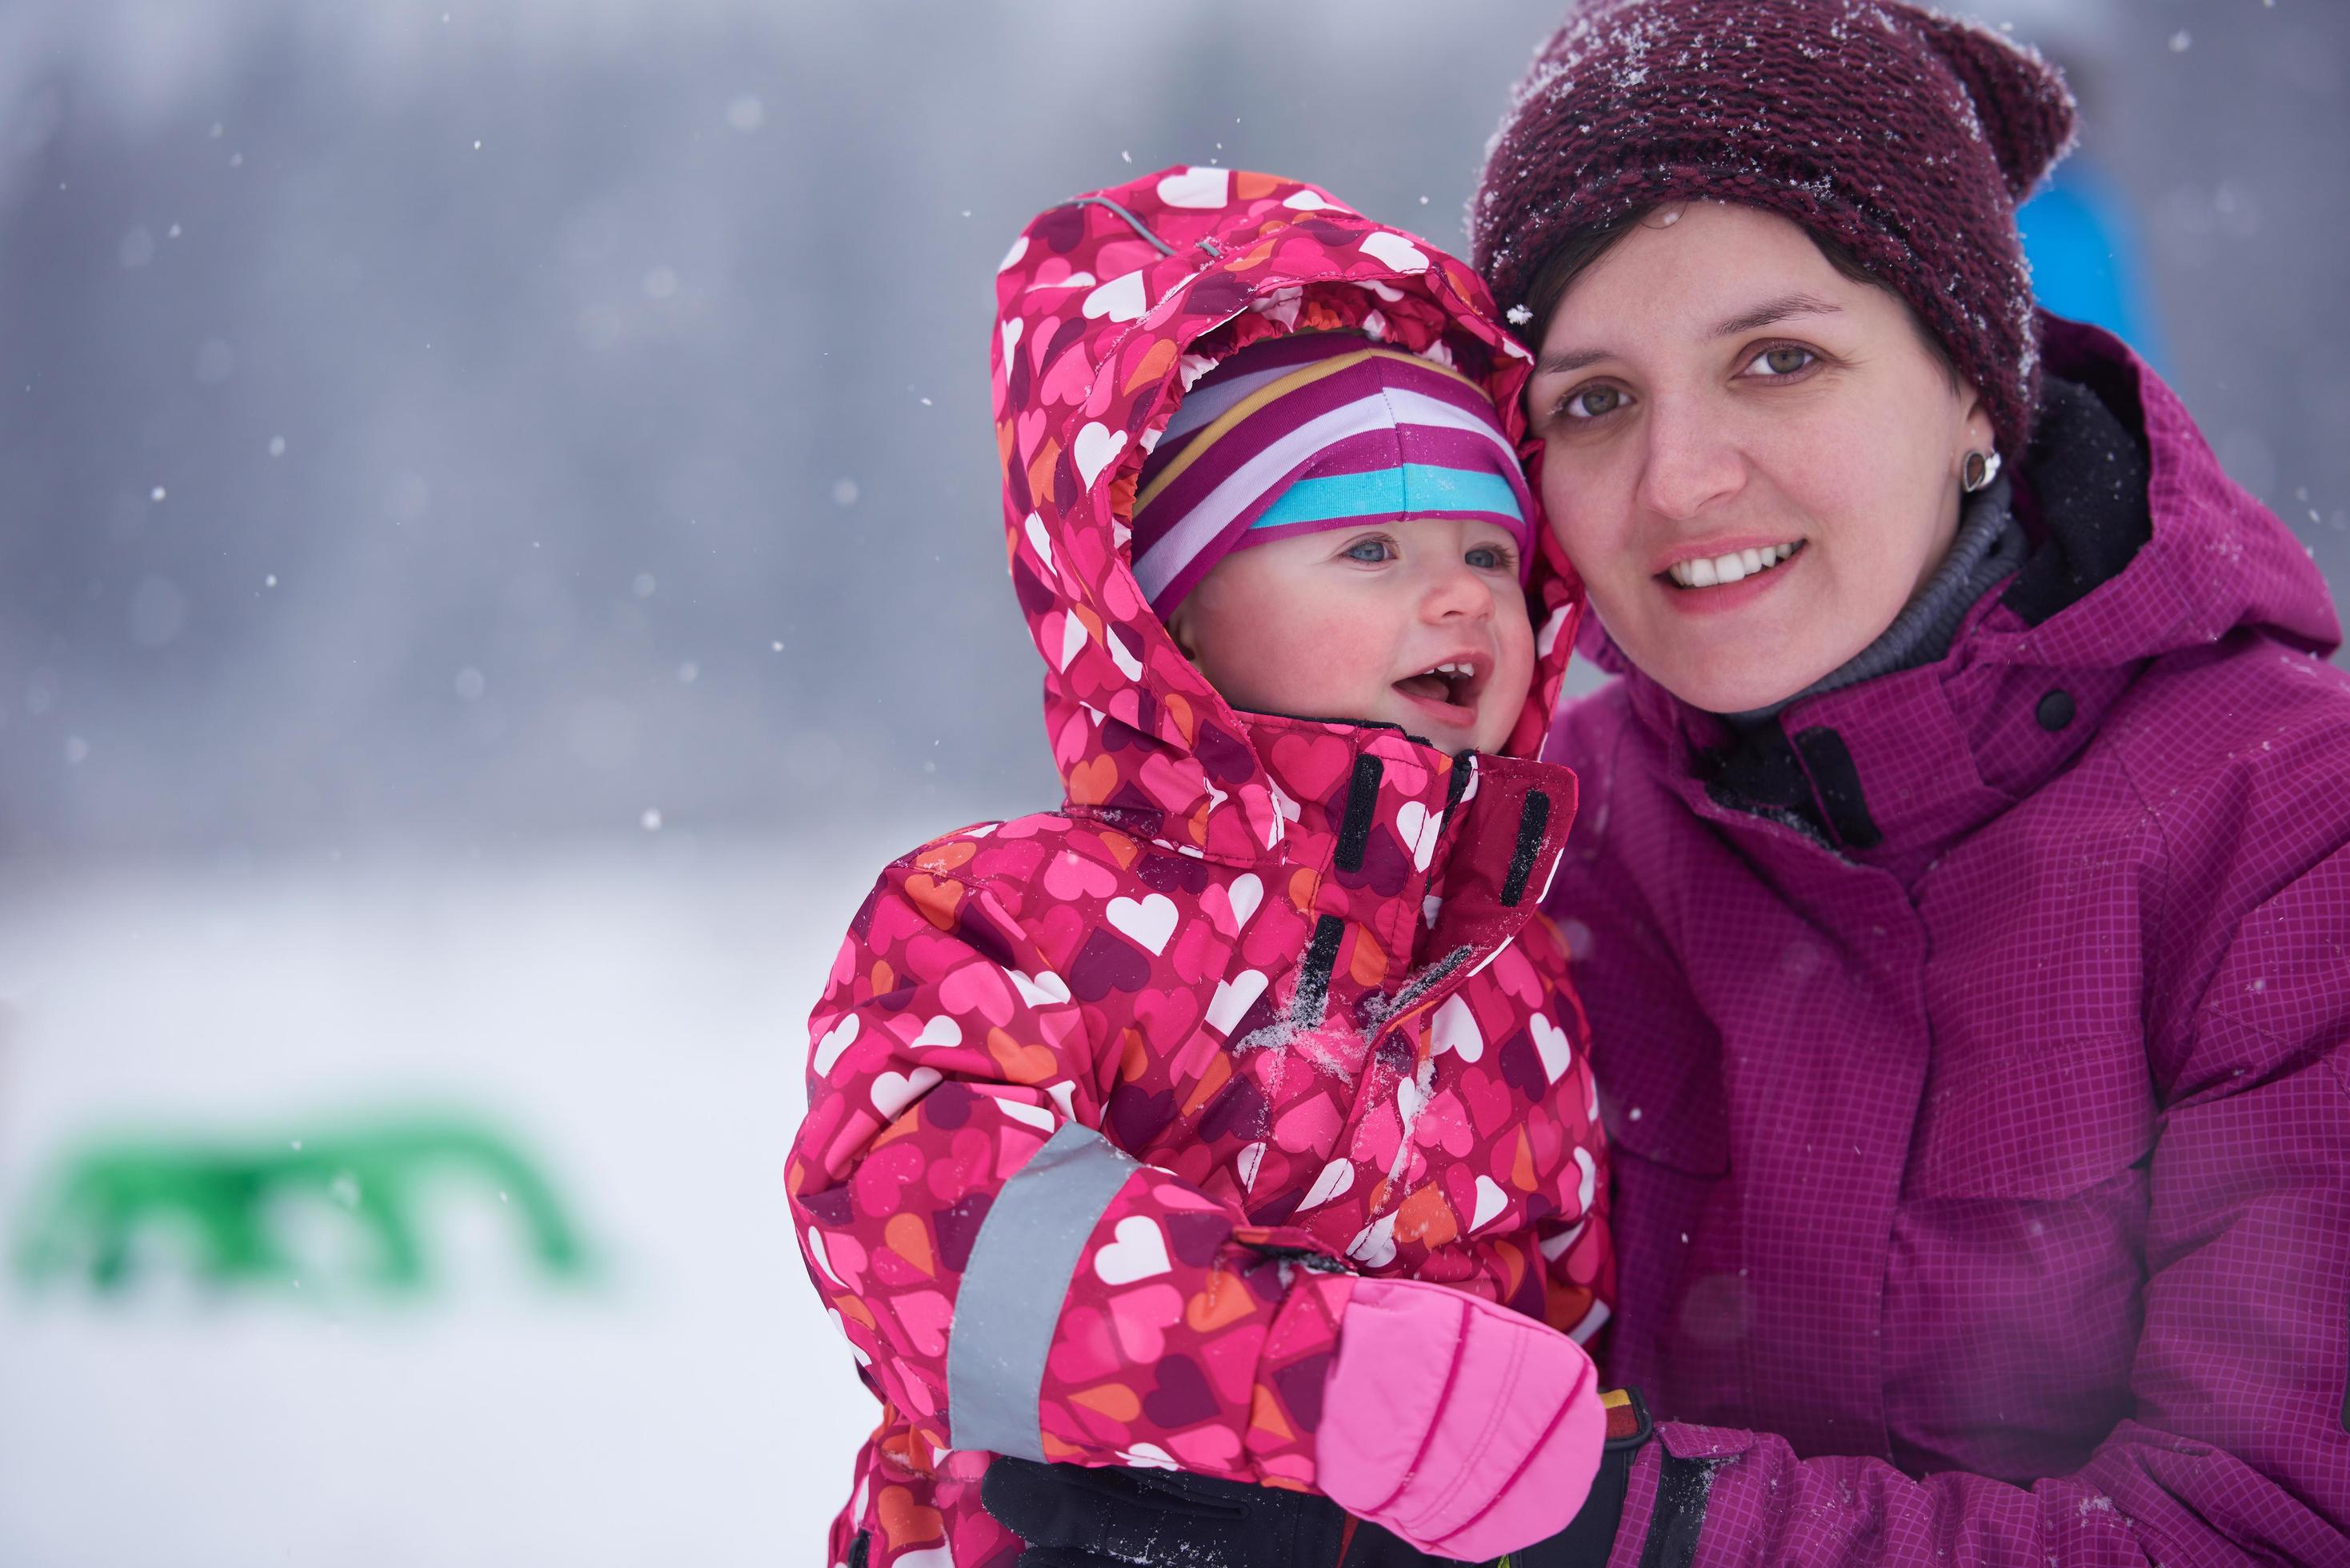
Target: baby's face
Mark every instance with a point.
(1421, 624)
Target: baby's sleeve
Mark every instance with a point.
(1577, 1249)
(1010, 1280)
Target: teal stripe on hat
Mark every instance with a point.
(1410, 489)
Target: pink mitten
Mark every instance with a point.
(1468, 1429)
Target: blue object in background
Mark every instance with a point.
(2083, 243)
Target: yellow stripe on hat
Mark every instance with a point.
(1274, 392)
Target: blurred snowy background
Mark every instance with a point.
(498, 543)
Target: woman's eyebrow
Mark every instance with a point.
(1559, 364)
(1777, 310)
(1763, 314)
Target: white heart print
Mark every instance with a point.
(1045, 988)
(1127, 664)
(1336, 1178)
(1036, 1116)
(893, 1093)
(1245, 893)
(940, 1031)
(1551, 1040)
(1097, 447)
(1420, 827)
(1149, 922)
(1454, 1028)
(1374, 1246)
(837, 1039)
(1234, 998)
(1119, 299)
(1197, 188)
(1491, 1201)
(1394, 251)
(1138, 1251)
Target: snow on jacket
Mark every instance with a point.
(1087, 1088)
(1994, 1132)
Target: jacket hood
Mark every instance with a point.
(1109, 307)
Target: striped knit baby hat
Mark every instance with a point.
(1315, 432)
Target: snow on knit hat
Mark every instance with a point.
(1908, 137)
(1313, 431)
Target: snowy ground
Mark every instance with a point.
(632, 1019)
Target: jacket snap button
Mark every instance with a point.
(2055, 711)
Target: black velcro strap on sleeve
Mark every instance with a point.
(1682, 1487)
(1362, 799)
(1534, 818)
(1312, 994)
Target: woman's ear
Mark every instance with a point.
(1976, 433)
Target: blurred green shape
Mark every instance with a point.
(224, 1198)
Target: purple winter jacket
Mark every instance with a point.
(1982, 1161)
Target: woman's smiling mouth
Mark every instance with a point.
(1730, 567)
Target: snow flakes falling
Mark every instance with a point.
(746, 113)
(844, 492)
(651, 820)
(2182, 41)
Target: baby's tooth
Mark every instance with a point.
(1702, 574)
(1752, 560)
(1728, 568)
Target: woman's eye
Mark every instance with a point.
(1591, 402)
(1785, 361)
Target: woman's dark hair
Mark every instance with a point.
(1582, 248)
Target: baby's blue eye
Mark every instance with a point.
(1489, 557)
(1380, 549)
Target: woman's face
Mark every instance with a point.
(1752, 459)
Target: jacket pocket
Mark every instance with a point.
(2044, 1117)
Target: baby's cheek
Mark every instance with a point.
(1335, 662)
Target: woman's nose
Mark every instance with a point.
(1688, 464)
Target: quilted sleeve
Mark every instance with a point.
(1011, 1281)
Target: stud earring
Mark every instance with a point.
(1979, 469)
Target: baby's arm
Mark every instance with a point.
(1011, 1281)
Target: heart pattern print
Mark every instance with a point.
(1292, 966)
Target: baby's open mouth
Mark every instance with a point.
(1453, 683)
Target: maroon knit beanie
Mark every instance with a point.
(1908, 137)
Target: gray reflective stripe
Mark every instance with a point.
(1012, 1292)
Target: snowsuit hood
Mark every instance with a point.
(1109, 307)
(1974, 1048)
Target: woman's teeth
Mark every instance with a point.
(1735, 566)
